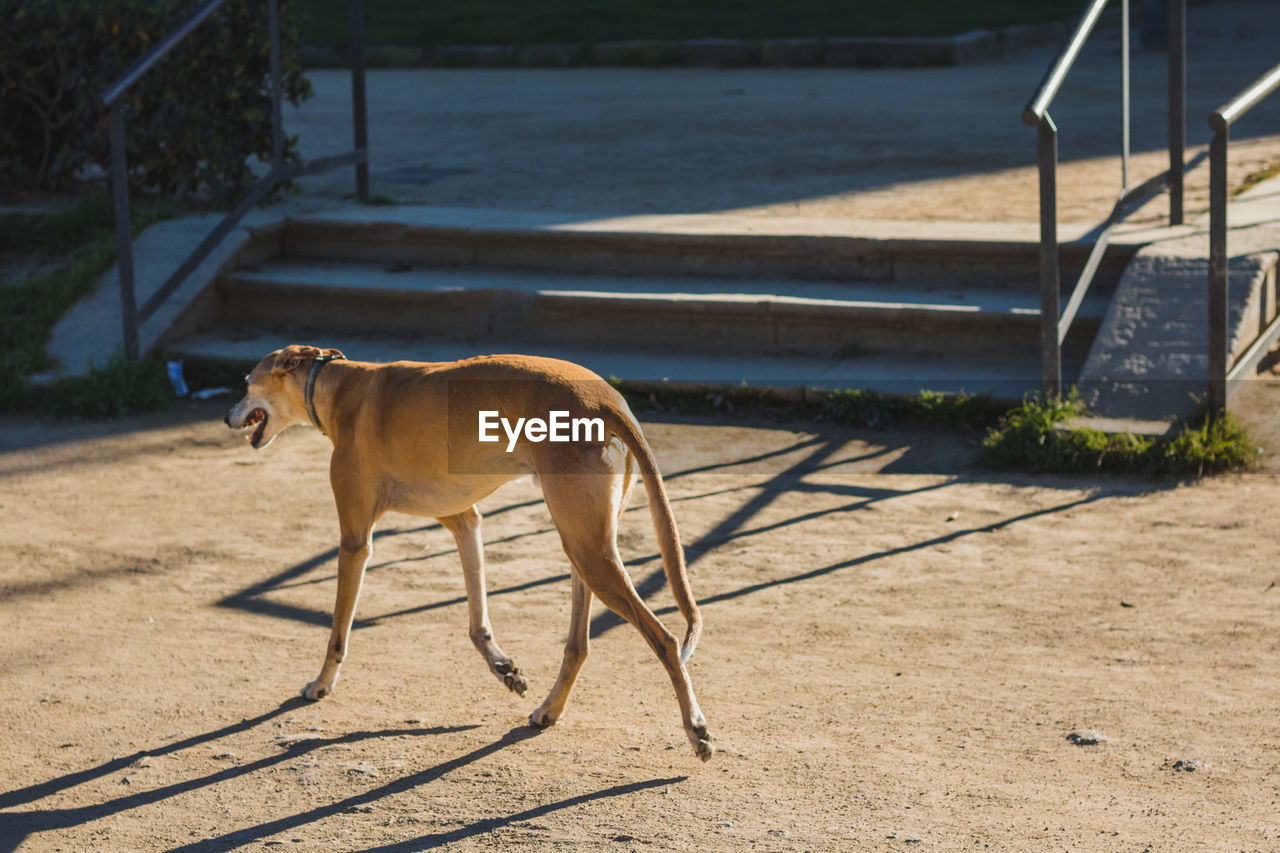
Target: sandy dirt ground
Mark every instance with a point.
(898, 645)
(897, 649)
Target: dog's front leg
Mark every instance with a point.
(356, 520)
(352, 557)
(465, 527)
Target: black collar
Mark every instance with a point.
(319, 362)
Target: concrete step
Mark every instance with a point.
(957, 255)
(702, 299)
(1006, 379)
(755, 316)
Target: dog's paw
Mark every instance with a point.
(315, 690)
(540, 719)
(703, 743)
(516, 682)
(512, 677)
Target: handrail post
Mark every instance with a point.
(1124, 94)
(1177, 106)
(124, 230)
(358, 105)
(1050, 351)
(1218, 272)
(277, 130)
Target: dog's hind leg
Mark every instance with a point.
(611, 584)
(575, 654)
(584, 508)
(465, 527)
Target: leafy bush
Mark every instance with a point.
(191, 122)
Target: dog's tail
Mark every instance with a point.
(623, 425)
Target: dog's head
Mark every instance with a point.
(275, 398)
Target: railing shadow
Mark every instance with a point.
(892, 552)
(15, 827)
(819, 455)
(398, 786)
(733, 526)
(252, 598)
(31, 793)
(437, 839)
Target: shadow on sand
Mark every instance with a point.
(16, 827)
(788, 474)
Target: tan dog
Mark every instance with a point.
(406, 438)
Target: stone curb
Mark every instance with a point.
(974, 46)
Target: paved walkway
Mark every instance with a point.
(868, 144)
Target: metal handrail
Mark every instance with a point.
(121, 84)
(1221, 370)
(1056, 319)
(111, 99)
(1038, 106)
(1223, 117)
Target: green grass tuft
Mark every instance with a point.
(874, 410)
(860, 409)
(1205, 446)
(115, 390)
(1251, 180)
(718, 401)
(60, 232)
(1030, 439)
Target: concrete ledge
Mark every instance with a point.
(974, 46)
(1119, 426)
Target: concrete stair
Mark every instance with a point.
(682, 299)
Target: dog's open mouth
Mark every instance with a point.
(258, 417)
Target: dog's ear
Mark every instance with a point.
(334, 353)
(294, 357)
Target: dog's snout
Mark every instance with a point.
(227, 418)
